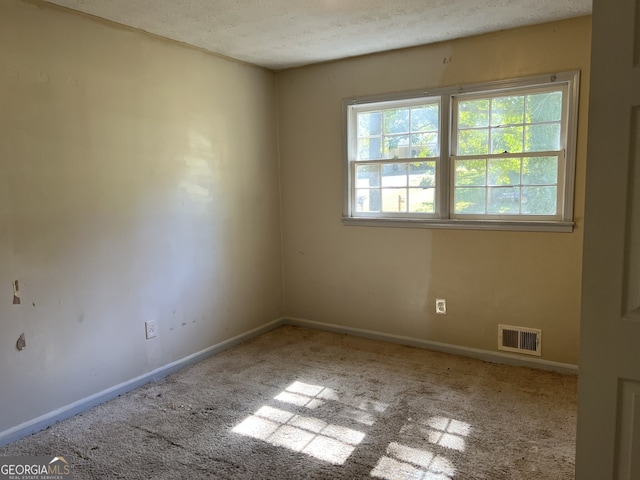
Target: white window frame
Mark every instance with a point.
(444, 217)
(384, 105)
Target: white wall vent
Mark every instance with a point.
(520, 339)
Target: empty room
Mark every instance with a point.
(319, 239)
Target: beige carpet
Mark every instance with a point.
(304, 404)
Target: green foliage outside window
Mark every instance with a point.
(511, 124)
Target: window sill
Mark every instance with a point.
(518, 226)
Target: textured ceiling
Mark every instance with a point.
(280, 34)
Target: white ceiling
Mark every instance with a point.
(280, 34)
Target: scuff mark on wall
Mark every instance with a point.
(16, 293)
(21, 344)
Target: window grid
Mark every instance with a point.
(419, 192)
(386, 135)
(520, 189)
(510, 128)
(534, 165)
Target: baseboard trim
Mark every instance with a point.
(79, 406)
(486, 355)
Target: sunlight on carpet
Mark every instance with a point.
(312, 436)
(335, 444)
(401, 461)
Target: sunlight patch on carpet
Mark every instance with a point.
(448, 433)
(402, 461)
(331, 443)
(441, 431)
(314, 396)
(312, 436)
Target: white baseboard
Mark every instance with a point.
(79, 406)
(486, 355)
(48, 419)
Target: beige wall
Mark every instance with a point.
(138, 181)
(387, 279)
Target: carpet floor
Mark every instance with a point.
(296, 403)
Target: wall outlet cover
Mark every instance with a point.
(151, 328)
(441, 306)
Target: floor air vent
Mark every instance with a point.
(520, 339)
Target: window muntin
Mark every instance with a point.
(500, 152)
(515, 122)
(396, 153)
(398, 132)
(507, 186)
(508, 153)
(395, 187)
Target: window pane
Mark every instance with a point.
(367, 200)
(544, 107)
(396, 120)
(422, 174)
(369, 148)
(539, 200)
(503, 201)
(369, 124)
(473, 113)
(506, 139)
(473, 142)
(469, 200)
(425, 118)
(507, 110)
(394, 200)
(397, 146)
(394, 175)
(470, 172)
(504, 171)
(501, 155)
(424, 145)
(540, 171)
(540, 138)
(367, 176)
(422, 200)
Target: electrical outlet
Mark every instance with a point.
(441, 306)
(151, 328)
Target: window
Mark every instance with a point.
(398, 146)
(497, 156)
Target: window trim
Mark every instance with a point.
(444, 184)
